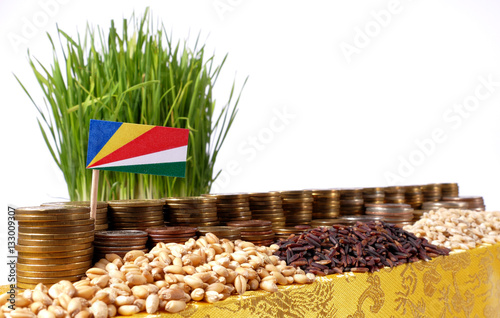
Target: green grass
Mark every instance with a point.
(137, 76)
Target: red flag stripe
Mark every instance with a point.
(154, 140)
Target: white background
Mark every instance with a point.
(354, 117)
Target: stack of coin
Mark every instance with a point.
(449, 189)
(170, 234)
(326, 204)
(428, 206)
(391, 212)
(222, 232)
(474, 202)
(297, 206)
(119, 242)
(54, 243)
(414, 196)
(373, 195)
(259, 232)
(191, 211)
(351, 201)
(135, 214)
(432, 192)
(267, 206)
(394, 195)
(232, 207)
(285, 232)
(101, 219)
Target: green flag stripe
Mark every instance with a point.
(172, 169)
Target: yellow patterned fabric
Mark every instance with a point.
(463, 284)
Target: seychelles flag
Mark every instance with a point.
(137, 148)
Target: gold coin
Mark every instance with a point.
(273, 211)
(101, 227)
(54, 261)
(100, 222)
(266, 202)
(98, 244)
(320, 201)
(325, 216)
(225, 221)
(120, 234)
(120, 239)
(100, 204)
(52, 210)
(269, 200)
(233, 208)
(21, 280)
(327, 212)
(199, 199)
(132, 210)
(53, 224)
(100, 219)
(296, 207)
(183, 210)
(81, 240)
(232, 201)
(234, 216)
(299, 201)
(197, 224)
(326, 208)
(56, 230)
(274, 214)
(136, 219)
(135, 215)
(138, 222)
(25, 218)
(267, 207)
(267, 216)
(295, 192)
(234, 213)
(20, 267)
(264, 194)
(63, 236)
(181, 220)
(119, 248)
(191, 215)
(53, 248)
(296, 219)
(135, 203)
(229, 195)
(51, 255)
(183, 206)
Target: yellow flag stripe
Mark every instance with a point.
(125, 134)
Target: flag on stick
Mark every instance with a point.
(135, 148)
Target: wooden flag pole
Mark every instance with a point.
(93, 193)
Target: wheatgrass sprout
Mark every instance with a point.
(138, 76)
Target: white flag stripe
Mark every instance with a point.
(164, 156)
